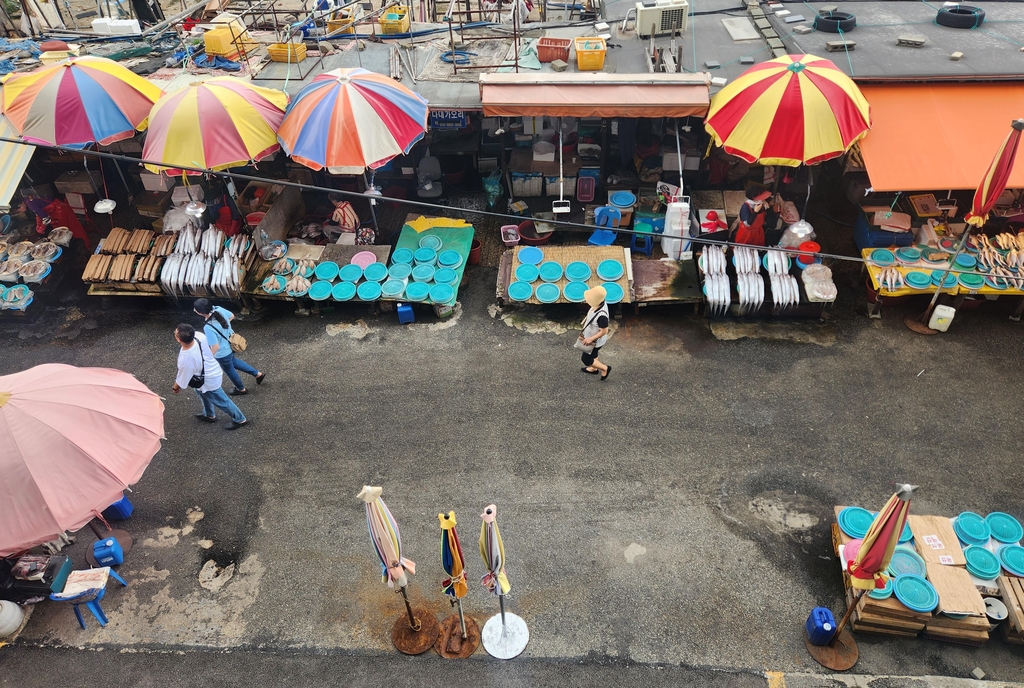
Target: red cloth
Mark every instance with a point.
(752, 233)
(62, 215)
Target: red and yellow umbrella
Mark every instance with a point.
(793, 110)
(215, 124)
(867, 569)
(996, 177)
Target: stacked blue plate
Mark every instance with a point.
(343, 291)
(972, 529)
(393, 288)
(431, 241)
(320, 290)
(550, 271)
(882, 257)
(425, 256)
(402, 256)
(577, 271)
(882, 593)
(971, 281)
(574, 291)
(527, 273)
(1012, 559)
(530, 255)
(399, 271)
(350, 273)
(981, 563)
(906, 562)
(950, 280)
(917, 279)
(369, 291)
(613, 292)
(916, 593)
(548, 293)
(441, 293)
(449, 259)
(908, 254)
(447, 276)
(1005, 528)
(855, 521)
(966, 261)
(610, 270)
(375, 272)
(906, 535)
(423, 273)
(417, 291)
(520, 291)
(327, 270)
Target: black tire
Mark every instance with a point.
(961, 17)
(835, 22)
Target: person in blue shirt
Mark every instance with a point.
(218, 331)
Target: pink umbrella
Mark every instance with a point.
(71, 440)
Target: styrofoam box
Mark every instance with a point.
(180, 196)
(157, 182)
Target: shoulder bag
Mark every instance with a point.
(237, 341)
(578, 344)
(197, 381)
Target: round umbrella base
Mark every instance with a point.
(410, 642)
(838, 655)
(123, 537)
(450, 643)
(916, 325)
(507, 640)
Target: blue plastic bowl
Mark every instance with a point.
(423, 273)
(613, 292)
(574, 291)
(350, 273)
(431, 241)
(399, 271)
(320, 290)
(343, 291)
(441, 293)
(577, 271)
(548, 293)
(527, 273)
(609, 270)
(446, 276)
(449, 259)
(417, 291)
(327, 270)
(425, 256)
(392, 288)
(402, 256)
(550, 271)
(369, 291)
(520, 291)
(375, 272)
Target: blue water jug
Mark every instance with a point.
(108, 552)
(821, 626)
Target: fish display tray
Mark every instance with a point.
(592, 256)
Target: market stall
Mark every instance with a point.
(32, 268)
(950, 579)
(560, 274)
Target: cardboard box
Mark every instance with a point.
(957, 593)
(936, 540)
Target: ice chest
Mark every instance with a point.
(108, 552)
(119, 510)
(821, 626)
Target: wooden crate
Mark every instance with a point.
(1011, 590)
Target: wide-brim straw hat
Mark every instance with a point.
(595, 296)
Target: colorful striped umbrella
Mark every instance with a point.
(347, 120)
(78, 102)
(867, 570)
(215, 124)
(505, 635)
(793, 110)
(454, 564)
(387, 541)
(492, 549)
(996, 177)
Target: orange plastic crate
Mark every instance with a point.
(551, 49)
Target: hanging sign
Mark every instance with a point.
(449, 119)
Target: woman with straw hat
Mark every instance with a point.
(595, 332)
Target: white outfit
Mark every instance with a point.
(192, 362)
(593, 328)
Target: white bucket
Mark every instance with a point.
(996, 612)
(11, 616)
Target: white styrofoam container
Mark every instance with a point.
(180, 196)
(941, 318)
(101, 25)
(156, 182)
(675, 242)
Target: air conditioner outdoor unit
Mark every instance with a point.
(664, 17)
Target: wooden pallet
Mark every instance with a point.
(1011, 589)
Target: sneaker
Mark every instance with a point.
(206, 419)
(238, 392)
(234, 426)
(260, 378)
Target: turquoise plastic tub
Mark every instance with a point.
(350, 273)
(375, 272)
(399, 271)
(343, 291)
(417, 291)
(320, 290)
(446, 276)
(423, 273)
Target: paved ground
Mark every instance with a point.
(673, 519)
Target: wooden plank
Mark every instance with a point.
(1012, 602)
(868, 628)
(887, 622)
(843, 537)
(1009, 635)
(971, 623)
(957, 593)
(890, 607)
(934, 537)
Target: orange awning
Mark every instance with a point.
(594, 95)
(929, 137)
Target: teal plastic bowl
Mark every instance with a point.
(343, 291)
(577, 271)
(369, 291)
(446, 276)
(350, 273)
(548, 293)
(449, 259)
(320, 290)
(402, 256)
(327, 270)
(550, 271)
(375, 272)
(425, 256)
(417, 291)
(574, 291)
(431, 241)
(423, 273)
(393, 288)
(441, 293)
(527, 273)
(399, 271)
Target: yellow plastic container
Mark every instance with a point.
(343, 22)
(402, 24)
(287, 52)
(220, 41)
(590, 52)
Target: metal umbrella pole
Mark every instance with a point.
(505, 634)
(460, 635)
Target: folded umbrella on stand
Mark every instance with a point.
(505, 635)
(460, 634)
(416, 633)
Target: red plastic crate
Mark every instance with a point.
(551, 49)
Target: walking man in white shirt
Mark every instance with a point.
(197, 368)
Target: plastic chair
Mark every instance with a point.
(429, 171)
(90, 596)
(641, 243)
(605, 216)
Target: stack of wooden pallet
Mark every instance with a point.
(1011, 590)
(885, 617)
(962, 617)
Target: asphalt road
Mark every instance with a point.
(676, 515)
